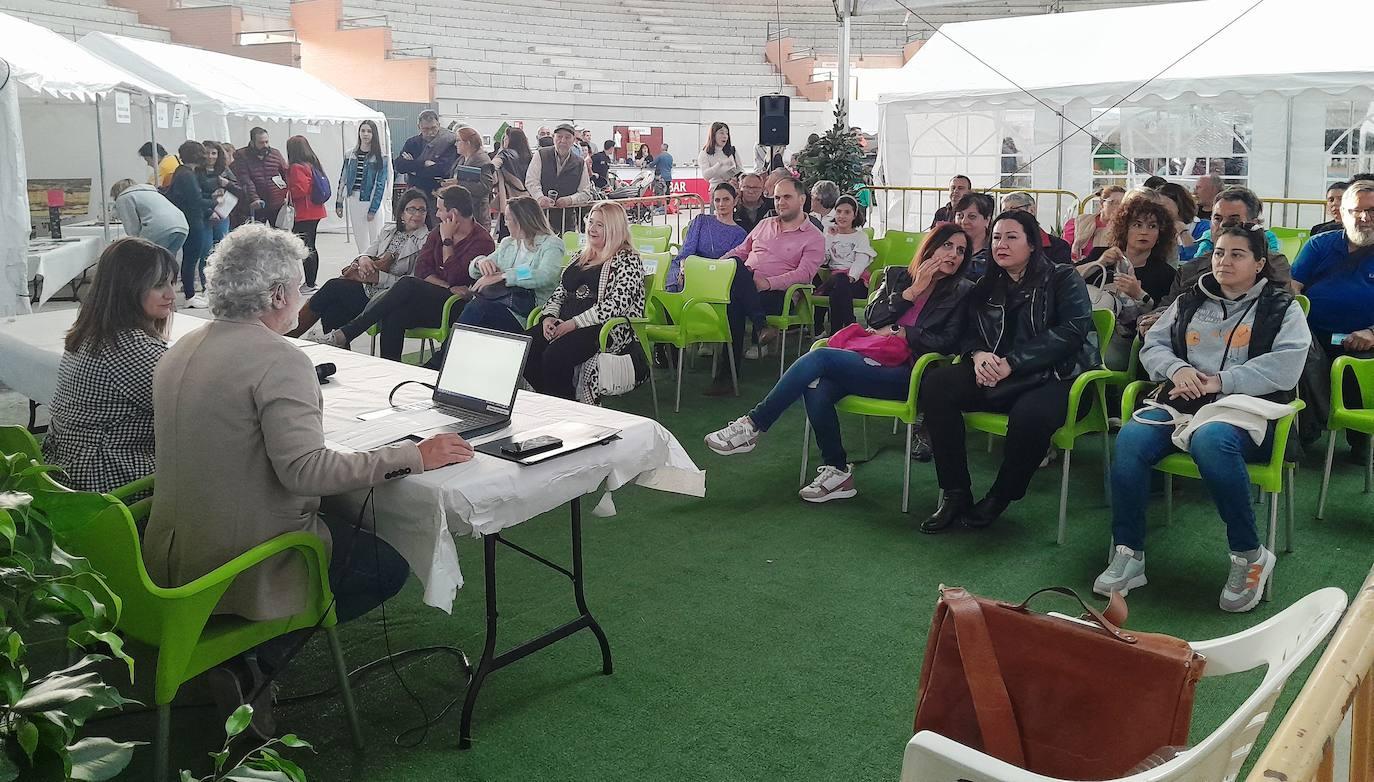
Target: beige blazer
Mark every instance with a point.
(241, 459)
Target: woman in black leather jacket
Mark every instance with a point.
(1028, 334)
(922, 303)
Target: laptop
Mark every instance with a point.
(474, 395)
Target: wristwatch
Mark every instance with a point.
(448, 242)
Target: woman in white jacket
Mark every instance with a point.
(719, 162)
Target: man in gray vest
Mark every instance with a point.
(559, 180)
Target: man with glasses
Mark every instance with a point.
(427, 157)
(1335, 270)
(560, 181)
(1056, 249)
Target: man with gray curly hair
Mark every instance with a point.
(241, 459)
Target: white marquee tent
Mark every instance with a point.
(81, 117)
(1275, 91)
(229, 95)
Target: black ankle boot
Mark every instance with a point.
(953, 506)
(985, 512)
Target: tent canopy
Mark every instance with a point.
(1277, 46)
(48, 64)
(227, 85)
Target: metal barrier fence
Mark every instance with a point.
(904, 218)
(674, 209)
(1278, 212)
(1341, 687)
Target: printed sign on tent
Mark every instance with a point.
(122, 113)
(312, 128)
(178, 115)
(161, 114)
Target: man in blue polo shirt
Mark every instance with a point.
(1336, 272)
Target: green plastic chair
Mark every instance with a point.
(1094, 422)
(177, 622)
(903, 410)
(573, 241)
(1274, 477)
(16, 439)
(697, 314)
(1291, 240)
(898, 247)
(430, 337)
(1343, 418)
(796, 313)
(651, 238)
(655, 272)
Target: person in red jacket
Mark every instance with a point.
(261, 172)
(300, 180)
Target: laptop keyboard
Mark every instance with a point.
(470, 418)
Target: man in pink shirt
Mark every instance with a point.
(780, 252)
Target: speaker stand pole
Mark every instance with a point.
(842, 77)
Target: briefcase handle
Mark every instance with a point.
(1116, 609)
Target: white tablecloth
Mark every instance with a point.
(61, 265)
(94, 230)
(419, 515)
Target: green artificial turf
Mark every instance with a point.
(757, 637)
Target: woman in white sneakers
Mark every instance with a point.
(919, 304)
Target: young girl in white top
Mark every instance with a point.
(848, 254)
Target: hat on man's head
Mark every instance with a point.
(566, 126)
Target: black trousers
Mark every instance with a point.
(337, 302)
(842, 292)
(410, 303)
(1350, 389)
(306, 230)
(949, 391)
(747, 303)
(551, 364)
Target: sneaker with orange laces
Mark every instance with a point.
(1246, 582)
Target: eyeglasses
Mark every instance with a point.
(1361, 214)
(1233, 222)
(415, 210)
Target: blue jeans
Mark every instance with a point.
(193, 255)
(836, 374)
(490, 314)
(218, 230)
(1220, 451)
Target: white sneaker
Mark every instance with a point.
(1126, 572)
(1245, 583)
(335, 338)
(1050, 456)
(307, 288)
(752, 352)
(739, 437)
(830, 484)
(197, 302)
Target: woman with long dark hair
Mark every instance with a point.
(101, 433)
(718, 162)
(511, 164)
(362, 186)
(221, 180)
(300, 188)
(643, 157)
(188, 194)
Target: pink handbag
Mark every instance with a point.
(889, 350)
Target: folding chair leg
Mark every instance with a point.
(372, 351)
(895, 422)
(1064, 499)
(806, 451)
(653, 387)
(1288, 502)
(1273, 535)
(681, 359)
(1369, 468)
(162, 750)
(906, 469)
(1168, 499)
(782, 352)
(350, 708)
(989, 443)
(734, 376)
(1326, 474)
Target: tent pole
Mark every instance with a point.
(100, 158)
(343, 147)
(842, 87)
(152, 134)
(1287, 160)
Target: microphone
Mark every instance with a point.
(324, 371)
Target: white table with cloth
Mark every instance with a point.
(55, 262)
(420, 514)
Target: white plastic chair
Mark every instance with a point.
(1282, 643)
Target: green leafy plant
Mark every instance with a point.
(835, 156)
(263, 764)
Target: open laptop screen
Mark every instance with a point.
(482, 367)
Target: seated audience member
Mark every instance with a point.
(959, 186)
(1088, 231)
(371, 274)
(780, 252)
(163, 167)
(1153, 182)
(605, 280)
(1193, 346)
(973, 213)
(1029, 334)
(1242, 206)
(824, 195)
(560, 181)
(709, 235)
(848, 253)
(242, 459)
(441, 271)
(521, 275)
(101, 433)
(1056, 249)
(920, 304)
(1334, 192)
(753, 206)
(1186, 225)
(1143, 240)
(1335, 271)
(1205, 191)
(147, 214)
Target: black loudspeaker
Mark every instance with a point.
(775, 120)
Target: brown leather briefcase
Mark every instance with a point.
(1067, 699)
